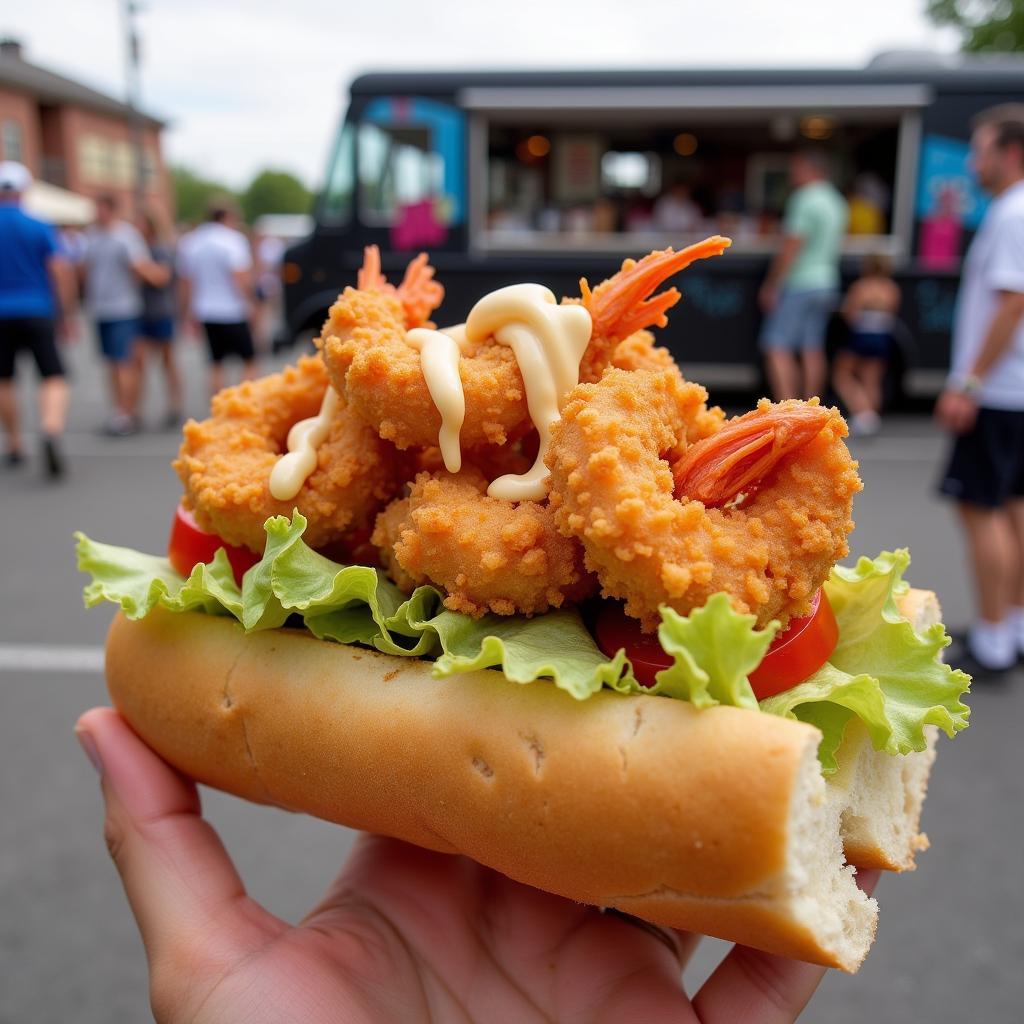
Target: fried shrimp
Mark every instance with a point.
(225, 462)
(639, 352)
(373, 364)
(486, 553)
(760, 509)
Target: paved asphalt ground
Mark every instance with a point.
(951, 938)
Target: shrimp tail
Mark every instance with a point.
(419, 293)
(743, 453)
(624, 303)
(370, 278)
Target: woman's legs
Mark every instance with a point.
(846, 380)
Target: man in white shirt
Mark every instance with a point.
(983, 403)
(215, 270)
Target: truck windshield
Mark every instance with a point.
(336, 202)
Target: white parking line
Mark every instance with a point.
(36, 658)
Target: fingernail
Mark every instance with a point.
(88, 744)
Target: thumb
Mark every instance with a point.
(182, 886)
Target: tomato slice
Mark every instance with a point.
(189, 546)
(794, 655)
(799, 651)
(614, 630)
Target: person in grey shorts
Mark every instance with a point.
(116, 260)
(801, 290)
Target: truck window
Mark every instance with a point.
(398, 168)
(336, 204)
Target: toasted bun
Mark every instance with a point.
(717, 821)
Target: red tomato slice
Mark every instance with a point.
(799, 651)
(189, 546)
(793, 655)
(615, 630)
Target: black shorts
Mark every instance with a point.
(37, 335)
(229, 340)
(986, 466)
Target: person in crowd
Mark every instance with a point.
(216, 287)
(801, 289)
(983, 401)
(269, 253)
(115, 263)
(869, 205)
(870, 309)
(676, 212)
(401, 934)
(156, 331)
(37, 290)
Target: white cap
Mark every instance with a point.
(14, 177)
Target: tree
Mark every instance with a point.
(193, 193)
(985, 26)
(275, 192)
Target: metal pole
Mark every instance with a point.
(133, 81)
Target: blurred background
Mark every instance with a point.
(575, 137)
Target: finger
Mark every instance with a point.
(761, 988)
(867, 879)
(177, 875)
(756, 988)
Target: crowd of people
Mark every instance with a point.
(141, 285)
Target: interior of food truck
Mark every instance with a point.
(577, 185)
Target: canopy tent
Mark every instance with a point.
(58, 205)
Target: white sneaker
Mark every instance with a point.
(993, 645)
(865, 424)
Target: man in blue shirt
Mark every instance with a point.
(31, 271)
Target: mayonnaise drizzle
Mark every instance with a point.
(439, 357)
(292, 469)
(548, 340)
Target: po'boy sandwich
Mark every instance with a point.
(511, 589)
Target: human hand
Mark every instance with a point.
(768, 297)
(956, 411)
(402, 934)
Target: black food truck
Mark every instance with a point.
(511, 176)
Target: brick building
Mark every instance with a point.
(75, 137)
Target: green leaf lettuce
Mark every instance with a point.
(881, 670)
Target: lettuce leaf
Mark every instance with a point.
(714, 648)
(354, 604)
(881, 670)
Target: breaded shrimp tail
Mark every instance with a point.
(625, 304)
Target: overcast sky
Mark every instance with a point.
(262, 82)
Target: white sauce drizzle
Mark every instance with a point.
(292, 469)
(439, 357)
(548, 340)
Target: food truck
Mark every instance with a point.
(552, 176)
